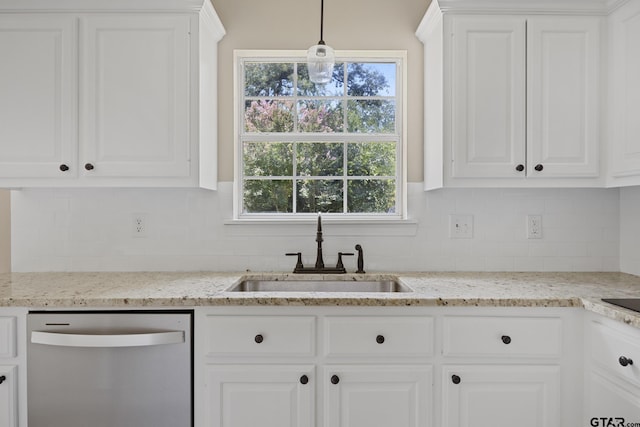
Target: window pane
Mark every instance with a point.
(268, 79)
(320, 116)
(268, 196)
(371, 196)
(333, 88)
(371, 159)
(371, 116)
(319, 196)
(268, 116)
(371, 79)
(268, 158)
(320, 159)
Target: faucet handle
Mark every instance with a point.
(299, 265)
(340, 254)
(360, 260)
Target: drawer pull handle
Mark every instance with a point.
(520, 168)
(625, 361)
(506, 339)
(2, 379)
(304, 379)
(539, 167)
(455, 379)
(335, 379)
(88, 166)
(64, 167)
(380, 339)
(258, 338)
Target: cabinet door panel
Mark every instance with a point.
(488, 89)
(38, 103)
(135, 92)
(625, 89)
(8, 397)
(609, 397)
(259, 395)
(377, 396)
(488, 396)
(562, 73)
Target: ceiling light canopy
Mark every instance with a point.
(321, 58)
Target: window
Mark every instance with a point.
(336, 149)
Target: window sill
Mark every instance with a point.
(330, 227)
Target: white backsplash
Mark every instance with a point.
(189, 229)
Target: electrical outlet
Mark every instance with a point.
(534, 226)
(461, 226)
(139, 225)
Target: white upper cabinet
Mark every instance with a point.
(624, 94)
(135, 96)
(125, 98)
(38, 101)
(511, 99)
(563, 101)
(488, 96)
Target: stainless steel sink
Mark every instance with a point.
(387, 285)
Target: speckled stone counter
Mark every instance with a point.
(189, 289)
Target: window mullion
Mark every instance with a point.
(294, 178)
(345, 165)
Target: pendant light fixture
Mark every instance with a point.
(321, 58)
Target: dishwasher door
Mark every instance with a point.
(110, 369)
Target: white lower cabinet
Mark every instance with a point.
(8, 396)
(503, 395)
(12, 368)
(260, 395)
(377, 396)
(612, 373)
(388, 367)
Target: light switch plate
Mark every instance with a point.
(460, 226)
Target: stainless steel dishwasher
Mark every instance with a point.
(110, 369)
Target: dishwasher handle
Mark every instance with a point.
(61, 339)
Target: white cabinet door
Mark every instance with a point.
(8, 396)
(563, 96)
(377, 396)
(38, 93)
(525, 97)
(488, 97)
(490, 396)
(135, 81)
(624, 53)
(259, 395)
(609, 397)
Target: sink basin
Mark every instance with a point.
(320, 286)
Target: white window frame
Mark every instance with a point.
(399, 56)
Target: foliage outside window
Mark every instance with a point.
(334, 149)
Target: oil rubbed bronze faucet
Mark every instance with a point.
(319, 266)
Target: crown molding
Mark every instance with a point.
(103, 6)
(589, 7)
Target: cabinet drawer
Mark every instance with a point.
(502, 336)
(260, 335)
(609, 346)
(379, 336)
(7, 337)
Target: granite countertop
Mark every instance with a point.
(187, 289)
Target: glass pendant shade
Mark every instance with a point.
(320, 61)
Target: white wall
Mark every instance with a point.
(91, 230)
(630, 230)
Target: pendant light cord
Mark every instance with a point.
(321, 22)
